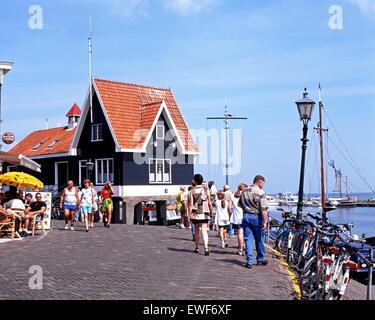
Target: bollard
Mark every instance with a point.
(370, 269)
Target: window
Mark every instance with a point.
(104, 171)
(97, 132)
(53, 144)
(37, 146)
(160, 132)
(160, 171)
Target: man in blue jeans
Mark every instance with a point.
(253, 203)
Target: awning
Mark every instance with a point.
(19, 160)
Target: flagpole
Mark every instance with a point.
(90, 70)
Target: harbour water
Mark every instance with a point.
(363, 218)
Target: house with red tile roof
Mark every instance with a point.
(132, 135)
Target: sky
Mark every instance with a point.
(256, 55)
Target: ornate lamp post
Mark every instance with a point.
(89, 166)
(305, 108)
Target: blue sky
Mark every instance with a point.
(260, 53)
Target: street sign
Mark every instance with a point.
(8, 138)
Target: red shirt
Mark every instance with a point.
(106, 194)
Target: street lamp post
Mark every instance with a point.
(5, 67)
(89, 167)
(305, 108)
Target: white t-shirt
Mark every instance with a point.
(87, 196)
(222, 214)
(237, 212)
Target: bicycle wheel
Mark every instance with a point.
(281, 243)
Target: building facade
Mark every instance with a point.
(135, 136)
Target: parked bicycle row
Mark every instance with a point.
(323, 254)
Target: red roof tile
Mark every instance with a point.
(132, 107)
(46, 137)
(74, 111)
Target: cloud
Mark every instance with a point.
(367, 7)
(189, 7)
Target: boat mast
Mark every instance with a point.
(320, 130)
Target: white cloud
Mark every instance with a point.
(365, 6)
(189, 7)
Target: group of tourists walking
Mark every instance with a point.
(244, 211)
(81, 205)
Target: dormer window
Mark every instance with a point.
(160, 132)
(37, 146)
(97, 132)
(51, 145)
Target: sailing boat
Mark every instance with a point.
(326, 207)
(348, 201)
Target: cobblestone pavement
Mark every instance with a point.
(134, 262)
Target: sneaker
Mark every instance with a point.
(262, 263)
(87, 230)
(248, 266)
(71, 228)
(196, 250)
(92, 226)
(240, 252)
(67, 226)
(108, 226)
(223, 245)
(206, 252)
(182, 226)
(226, 244)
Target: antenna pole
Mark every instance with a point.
(90, 70)
(227, 117)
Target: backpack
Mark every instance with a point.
(198, 201)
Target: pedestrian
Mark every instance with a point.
(69, 201)
(181, 208)
(254, 205)
(200, 210)
(237, 218)
(100, 207)
(106, 195)
(213, 226)
(87, 202)
(36, 210)
(191, 224)
(223, 212)
(95, 207)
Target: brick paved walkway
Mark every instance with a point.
(134, 262)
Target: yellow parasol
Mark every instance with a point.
(21, 180)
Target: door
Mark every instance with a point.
(61, 175)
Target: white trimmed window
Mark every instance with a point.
(160, 132)
(97, 132)
(104, 171)
(160, 171)
(37, 146)
(51, 145)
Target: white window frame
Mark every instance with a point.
(157, 131)
(97, 125)
(156, 164)
(52, 144)
(97, 166)
(80, 166)
(56, 171)
(37, 146)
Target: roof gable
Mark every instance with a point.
(131, 111)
